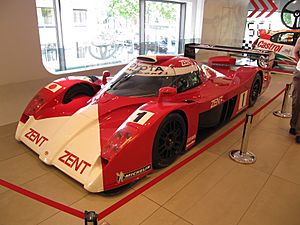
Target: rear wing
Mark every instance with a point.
(269, 56)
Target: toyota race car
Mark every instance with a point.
(106, 135)
(281, 42)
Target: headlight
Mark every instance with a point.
(119, 139)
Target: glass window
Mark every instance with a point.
(48, 33)
(144, 80)
(46, 15)
(162, 25)
(76, 34)
(186, 81)
(80, 17)
(284, 38)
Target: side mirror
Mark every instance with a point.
(105, 75)
(166, 92)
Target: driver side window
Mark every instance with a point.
(187, 81)
(283, 38)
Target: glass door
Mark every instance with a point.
(163, 27)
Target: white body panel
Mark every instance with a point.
(76, 149)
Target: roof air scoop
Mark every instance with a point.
(147, 59)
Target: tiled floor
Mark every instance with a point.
(210, 190)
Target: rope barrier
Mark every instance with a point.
(43, 199)
(268, 102)
(283, 112)
(137, 192)
(242, 155)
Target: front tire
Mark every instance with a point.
(255, 89)
(170, 140)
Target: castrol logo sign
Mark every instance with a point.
(269, 46)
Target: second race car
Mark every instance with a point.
(281, 43)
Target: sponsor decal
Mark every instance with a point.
(53, 87)
(216, 102)
(140, 117)
(125, 176)
(35, 137)
(185, 62)
(144, 69)
(190, 141)
(191, 138)
(269, 46)
(190, 144)
(74, 162)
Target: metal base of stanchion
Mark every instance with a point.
(244, 158)
(90, 218)
(282, 114)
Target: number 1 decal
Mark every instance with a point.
(140, 117)
(243, 99)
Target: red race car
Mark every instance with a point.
(106, 136)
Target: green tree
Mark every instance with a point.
(129, 9)
(159, 9)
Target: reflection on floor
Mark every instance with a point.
(210, 190)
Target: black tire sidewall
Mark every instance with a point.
(157, 161)
(257, 78)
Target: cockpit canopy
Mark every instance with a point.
(144, 76)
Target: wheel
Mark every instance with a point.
(255, 90)
(263, 63)
(77, 90)
(170, 140)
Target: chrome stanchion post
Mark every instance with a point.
(283, 112)
(90, 218)
(242, 155)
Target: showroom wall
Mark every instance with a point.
(224, 22)
(22, 72)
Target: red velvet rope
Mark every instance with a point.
(42, 199)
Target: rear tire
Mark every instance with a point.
(170, 140)
(255, 89)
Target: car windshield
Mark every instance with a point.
(142, 80)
